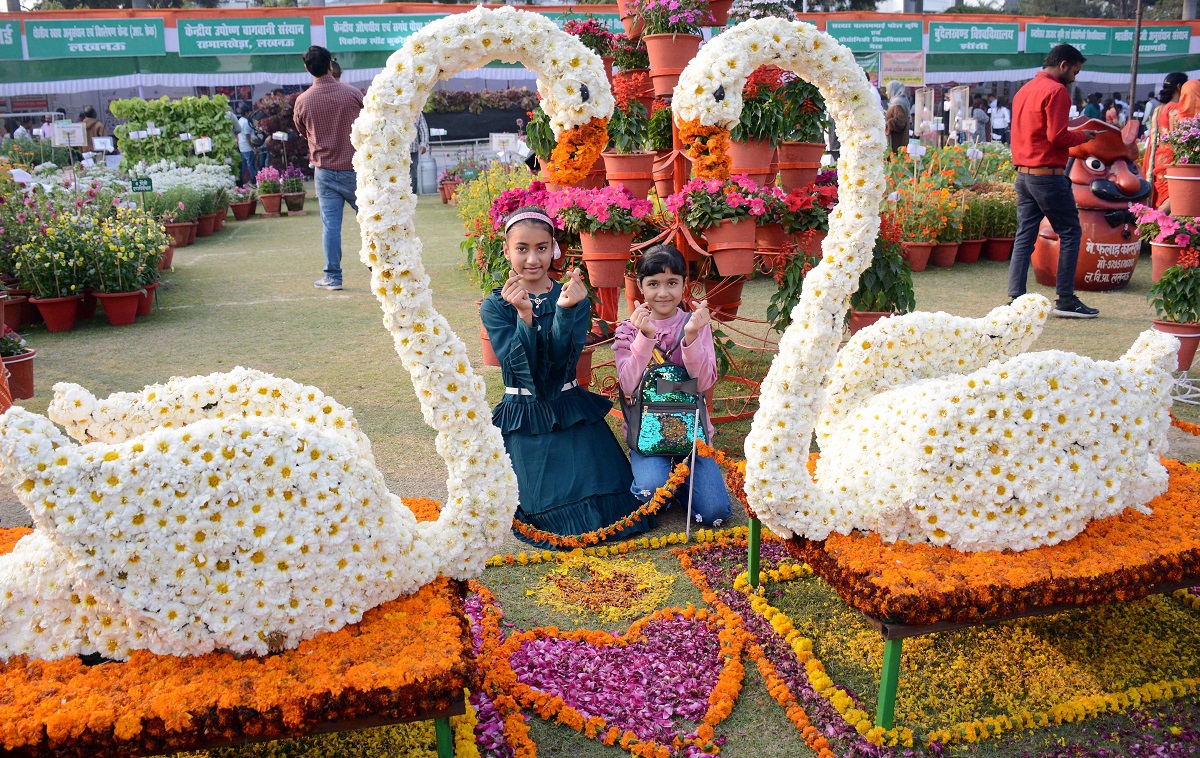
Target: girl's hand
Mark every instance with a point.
(640, 318)
(574, 291)
(700, 319)
(514, 293)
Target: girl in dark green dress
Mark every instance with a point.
(572, 474)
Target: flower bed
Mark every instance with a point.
(406, 658)
(1118, 558)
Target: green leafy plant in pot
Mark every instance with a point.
(627, 162)
(1176, 299)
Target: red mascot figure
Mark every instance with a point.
(1104, 176)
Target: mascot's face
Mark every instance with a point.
(1104, 172)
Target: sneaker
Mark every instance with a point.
(325, 283)
(1073, 307)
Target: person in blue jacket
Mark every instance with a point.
(572, 474)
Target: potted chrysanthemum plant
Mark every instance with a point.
(606, 221)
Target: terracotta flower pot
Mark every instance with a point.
(242, 211)
(270, 203)
(442, 193)
(87, 307)
(120, 307)
(1188, 335)
(998, 248)
(451, 188)
(59, 312)
(813, 240)
(191, 240)
(731, 246)
(295, 203)
(917, 254)
(769, 237)
(635, 171)
(664, 174)
(610, 300)
(720, 11)
(605, 255)
(969, 250)
(595, 176)
(222, 214)
(13, 305)
(1162, 257)
(1183, 186)
(20, 374)
(669, 55)
(863, 319)
(204, 225)
(147, 300)
(607, 60)
(167, 259)
(799, 163)
(751, 157)
(583, 369)
(943, 254)
(630, 18)
(179, 233)
(489, 355)
(26, 312)
(633, 293)
(724, 297)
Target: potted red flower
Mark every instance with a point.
(762, 126)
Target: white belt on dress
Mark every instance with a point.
(523, 391)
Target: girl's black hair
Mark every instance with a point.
(536, 222)
(1171, 84)
(661, 259)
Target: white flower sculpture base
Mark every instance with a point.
(932, 428)
(244, 512)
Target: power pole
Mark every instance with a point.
(1137, 44)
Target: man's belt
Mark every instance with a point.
(1041, 170)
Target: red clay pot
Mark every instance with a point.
(120, 307)
(969, 250)
(998, 248)
(222, 214)
(1188, 335)
(192, 232)
(720, 11)
(605, 255)
(633, 293)
(12, 311)
(724, 297)
(863, 319)
(179, 233)
(1162, 257)
(631, 20)
(669, 55)
(20, 374)
(751, 157)
(664, 174)
(635, 171)
(799, 163)
(59, 312)
(731, 246)
(1183, 186)
(917, 254)
(243, 210)
(87, 307)
(167, 259)
(943, 254)
(147, 300)
(270, 203)
(205, 225)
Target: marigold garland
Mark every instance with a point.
(516, 731)
(620, 548)
(576, 151)
(775, 685)
(1186, 426)
(10, 537)
(1121, 558)
(708, 147)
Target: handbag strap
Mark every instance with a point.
(679, 341)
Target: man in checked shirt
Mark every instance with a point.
(324, 114)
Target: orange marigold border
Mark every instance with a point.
(1118, 558)
(406, 657)
(576, 151)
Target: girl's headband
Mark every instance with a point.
(533, 216)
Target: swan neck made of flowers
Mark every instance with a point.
(708, 99)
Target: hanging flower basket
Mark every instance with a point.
(943, 254)
(669, 55)
(731, 246)
(799, 163)
(917, 254)
(724, 297)
(634, 170)
(1188, 335)
(998, 248)
(1162, 257)
(120, 307)
(605, 255)
(752, 157)
(59, 312)
(20, 374)
(1183, 185)
(969, 250)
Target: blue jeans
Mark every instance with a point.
(333, 189)
(248, 171)
(710, 499)
(1048, 197)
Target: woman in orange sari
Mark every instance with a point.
(1158, 154)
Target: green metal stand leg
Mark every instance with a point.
(445, 737)
(754, 540)
(889, 678)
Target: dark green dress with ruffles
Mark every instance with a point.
(572, 475)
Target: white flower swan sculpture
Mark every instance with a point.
(932, 428)
(244, 512)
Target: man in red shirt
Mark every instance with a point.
(1040, 141)
(324, 114)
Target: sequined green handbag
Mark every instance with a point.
(666, 410)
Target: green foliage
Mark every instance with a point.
(887, 285)
(999, 209)
(791, 284)
(27, 153)
(974, 216)
(658, 130)
(628, 128)
(12, 344)
(458, 101)
(804, 111)
(198, 116)
(485, 260)
(1176, 296)
(764, 117)
(193, 203)
(538, 134)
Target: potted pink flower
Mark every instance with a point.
(727, 212)
(1168, 235)
(269, 191)
(242, 202)
(606, 221)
